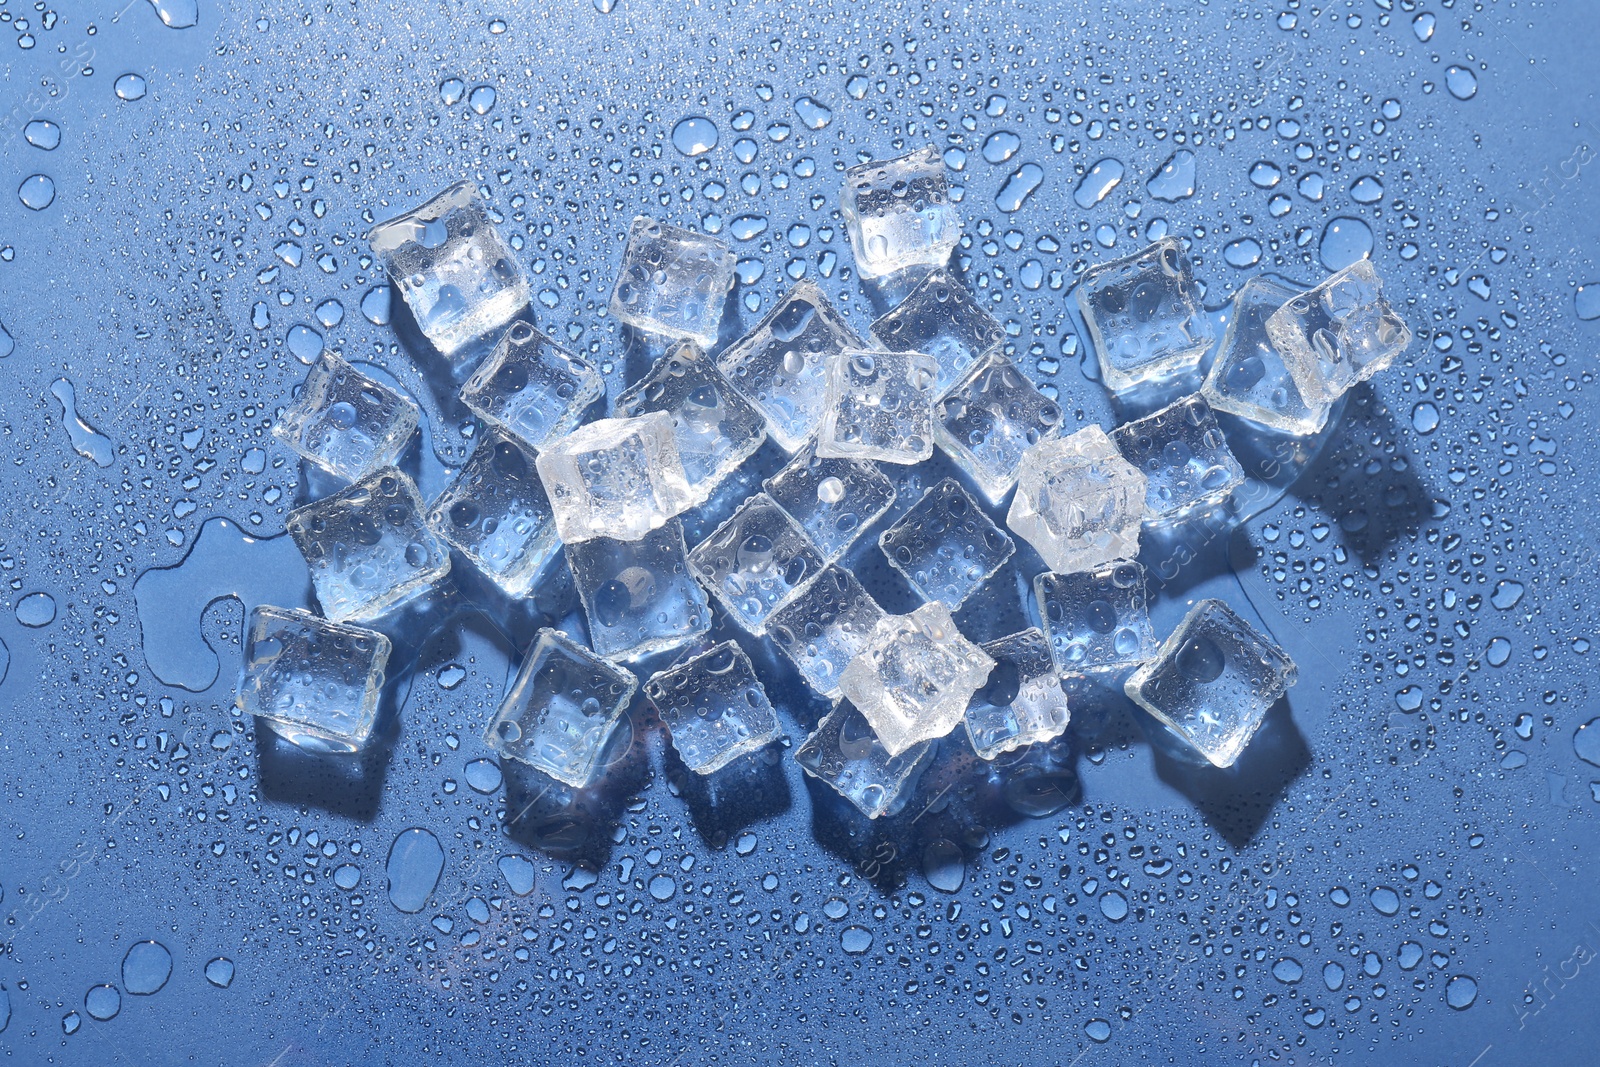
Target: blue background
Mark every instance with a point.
(1432, 572)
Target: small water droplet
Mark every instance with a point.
(304, 343)
(944, 865)
(1587, 301)
(1176, 178)
(102, 1002)
(1425, 418)
(219, 972)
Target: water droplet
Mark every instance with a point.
(1366, 190)
(1460, 992)
(1497, 652)
(5, 1008)
(481, 99)
(1098, 182)
(375, 305)
(695, 135)
(415, 862)
(1386, 900)
(483, 776)
(1586, 742)
(1425, 418)
(7, 345)
(1344, 240)
(304, 343)
(1265, 175)
(177, 14)
(42, 133)
(605, 7)
(347, 876)
(1288, 970)
(36, 610)
(1245, 252)
(1587, 301)
(146, 968)
(1423, 25)
(1114, 906)
(102, 1002)
(1507, 594)
(88, 442)
(944, 865)
(1015, 192)
(129, 87)
(451, 90)
(219, 972)
(1097, 1030)
(1176, 178)
(814, 114)
(37, 191)
(1462, 83)
(855, 940)
(1000, 146)
(662, 887)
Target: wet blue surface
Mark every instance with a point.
(1399, 871)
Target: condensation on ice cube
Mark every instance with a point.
(990, 418)
(834, 499)
(945, 545)
(846, 754)
(1144, 316)
(941, 318)
(1184, 457)
(822, 629)
(714, 707)
(1249, 377)
(1339, 333)
(879, 407)
(532, 387)
(617, 478)
(1022, 701)
(898, 213)
(495, 513)
(639, 596)
(346, 422)
(672, 281)
(315, 683)
(1097, 621)
(756, 561)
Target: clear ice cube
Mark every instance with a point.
(914, 677)
(941, 318)
(898, 213)
(618, 478)
(833, 499)
(1213, 680)
(879, 406)
(990, 418)
(315, 683)
(1097, 621)
(1249, 378)
(345, 422)
(451, 266)
(1184, 457)
(532, 387)
(672, 281)
(824, 628)
(368, 546)
(495, 513)
(1144, 316)
(639, 596)
(1022, 701)
(1339, 333)
(781, 364)
(844, 753)
(716, 427)
(756, 562)
(946, 545)
(714, 707)
(561, 710)
(1079, 503)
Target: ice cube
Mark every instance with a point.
(847, 755)
(561, 710)
(1185, 459)
(822, 629)
(454, 271)
(1213, 680)
(1022, 702)
(639, 595)
(781, 364)
(756, 562)
(345, 422)
(715, 425)
(672, 281)
(1338, 334)
(532, 387)
(1097, 621)
(618, 478)
(1249, 378)
(942, 319)
(495, 513)
(833, 499)
(913, 678)
(990, 418)
(314, 682)
(1078, 501)
(945, 545)
(714, 707)
(898, 213)
(879, 406)
(368, 546)
(1144, 316)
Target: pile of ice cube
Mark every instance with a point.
(608, 494)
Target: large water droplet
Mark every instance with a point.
(1425, 418)
(1288, 970)
(1586, 301)
(42, 133)
(1015, 192)
(129, 87)
(1098, 182)
(102, 1002)
(177, 14)
(304, 343)
(36, 610)
(87, 441)
(1114, 906)
(1462, 83)
(37, 191)
(695, 135)
(415, 862)
(944, 865)
(1344, 240)
(813, 113)
(1176, 178)
(1460, 992)
(855, 940)
(146, 968)
(1000, 146)
(520, 873)
(1586, 742)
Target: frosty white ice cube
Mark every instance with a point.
(452, 268)
(1079, 502)
(617, 478)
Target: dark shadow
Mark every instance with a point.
(349, 786)
(1103, 718)
(731, 328)
(749, 790)
(1235, 800)
(574, 824)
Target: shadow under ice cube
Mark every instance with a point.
(714, 707)
(672, 281)
(368, 547)
(1144, 316)
(345, 422)
(1213, 681)
(315, 683)
(495, 513)
(531, 387)
(452, 268)
(561, 710)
